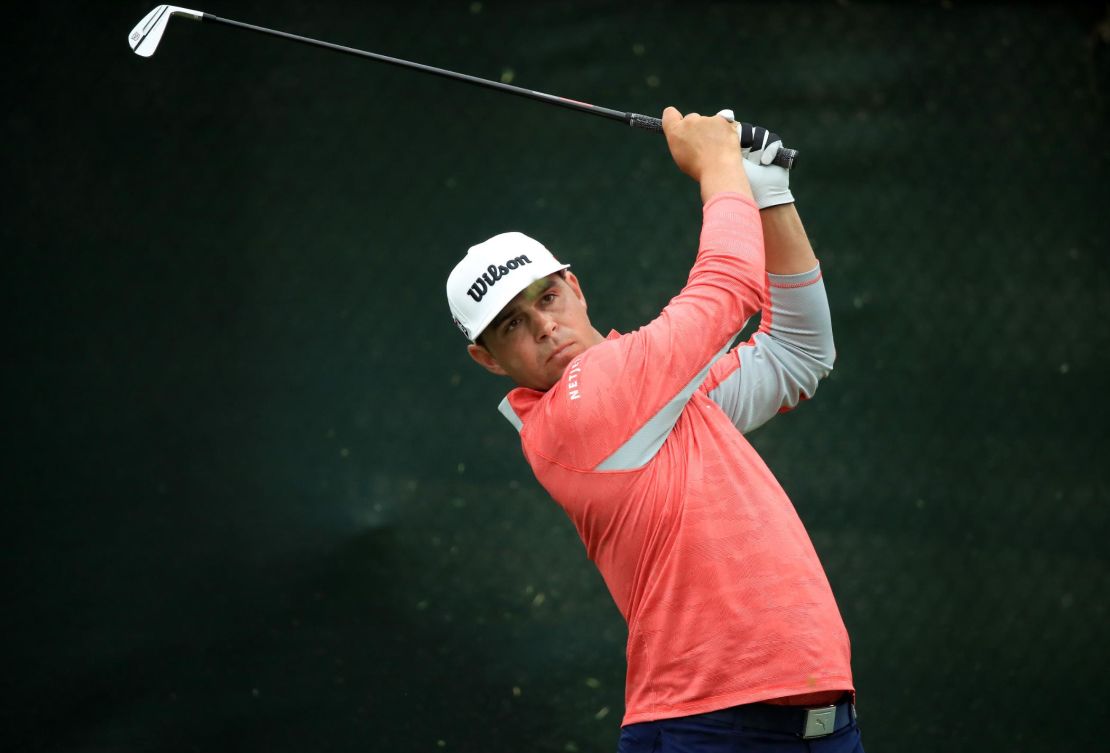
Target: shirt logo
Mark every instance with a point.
(492, 274)
(572, 379)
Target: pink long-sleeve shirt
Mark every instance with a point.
(702, 551)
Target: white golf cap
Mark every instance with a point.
(491, 274)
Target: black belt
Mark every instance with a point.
(807, 722)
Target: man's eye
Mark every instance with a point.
(511, 325)
(549, 297)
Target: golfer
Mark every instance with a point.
(735, 642)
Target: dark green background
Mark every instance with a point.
(258, 498)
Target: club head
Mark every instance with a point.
(146, 35)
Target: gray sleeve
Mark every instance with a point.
(781, 365)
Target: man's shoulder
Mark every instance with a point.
(575, 422)
(597, 361)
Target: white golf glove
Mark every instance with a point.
(770, 183)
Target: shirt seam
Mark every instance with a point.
(575, 469)
(788, 285)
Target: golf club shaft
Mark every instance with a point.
(497, 85)
(784, 158)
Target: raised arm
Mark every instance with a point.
(793, 349)
(629, 391)
(706, 149)
(785, 242)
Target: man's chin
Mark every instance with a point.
(555, 367)
(562, 359)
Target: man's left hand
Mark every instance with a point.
(770, 183)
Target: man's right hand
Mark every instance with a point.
(706, 149)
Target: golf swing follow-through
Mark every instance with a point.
(735, 640)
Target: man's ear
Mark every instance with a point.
(485, 359)
(572, 281)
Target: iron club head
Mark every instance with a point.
(146, 35)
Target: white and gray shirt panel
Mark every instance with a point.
(778, 368)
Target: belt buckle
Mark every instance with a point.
(819, 722)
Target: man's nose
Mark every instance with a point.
(542, 325)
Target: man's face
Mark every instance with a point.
(538, 333)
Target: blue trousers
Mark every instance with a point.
(716, 733)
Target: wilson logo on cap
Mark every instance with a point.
(492, 274)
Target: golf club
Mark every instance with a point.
(146, 35)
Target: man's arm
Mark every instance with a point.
(785, 242)
(629, 392)
(793, 349)
(706, 149)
